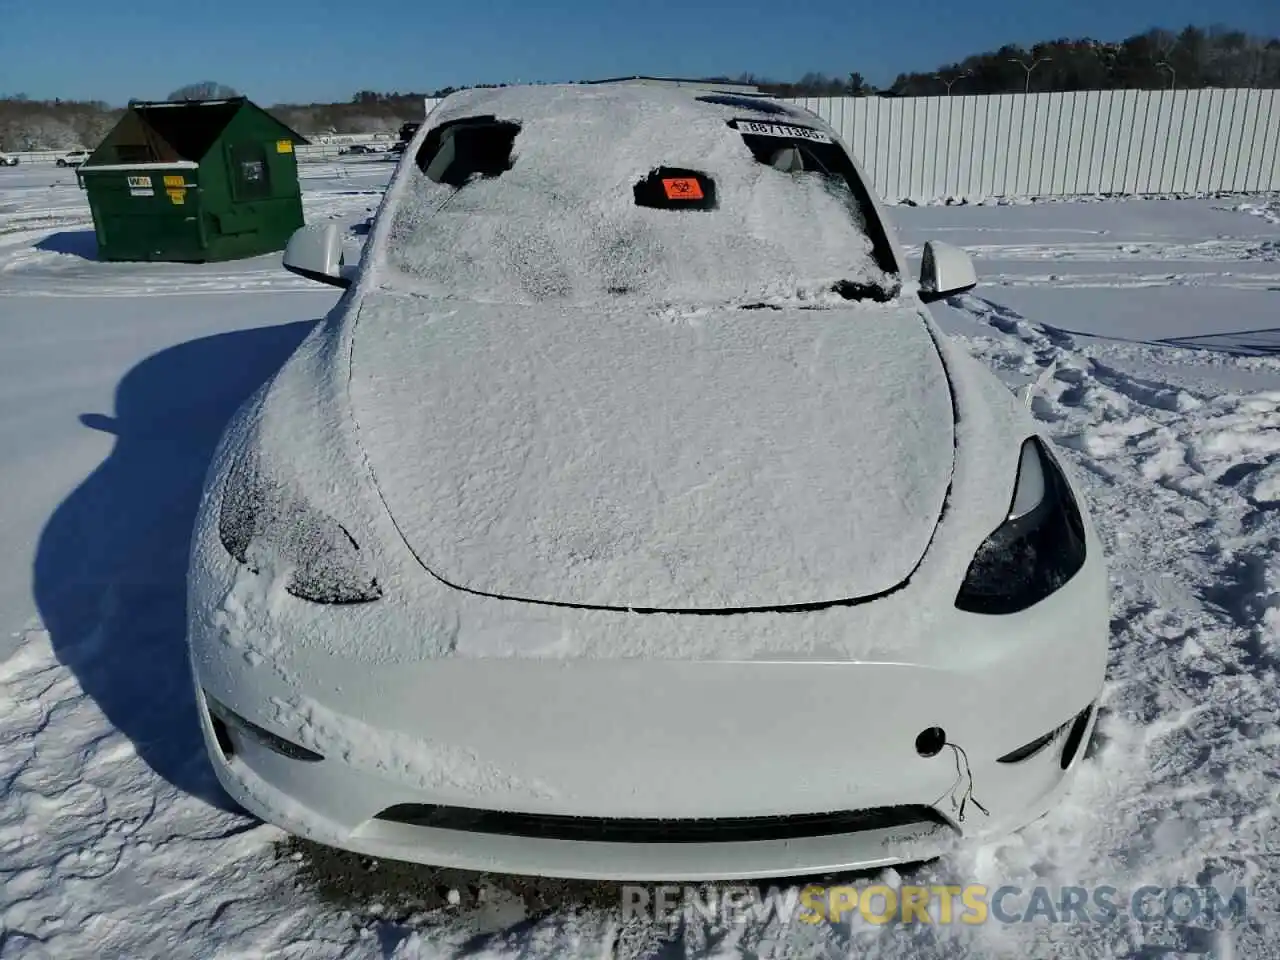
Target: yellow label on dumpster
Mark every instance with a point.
(177, 196)
(284, 146)
(174, 181)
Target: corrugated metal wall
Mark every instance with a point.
(1059, 144)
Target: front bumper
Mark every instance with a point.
(662, 739)
(331, 803)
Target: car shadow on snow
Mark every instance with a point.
(110, 566)
(75, 243)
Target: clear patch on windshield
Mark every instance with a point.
(669, 188)
(456, 153)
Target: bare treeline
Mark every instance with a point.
(1155, 60)
(66, 124)
(367, 112)
(27, 124)
(53, 124)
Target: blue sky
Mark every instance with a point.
(306, 50)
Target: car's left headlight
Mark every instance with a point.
(1038, 548)
(264, 522)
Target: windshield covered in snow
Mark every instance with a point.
(583, 198)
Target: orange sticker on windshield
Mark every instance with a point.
(682, 188)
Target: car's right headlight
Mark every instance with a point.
(264, 523)
(1037, 549)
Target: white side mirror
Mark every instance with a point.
(315, 252)
(944, 272)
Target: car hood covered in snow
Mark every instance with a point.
(671, 460)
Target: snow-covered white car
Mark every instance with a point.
(8, 160)
(72, 159)
(630, 517)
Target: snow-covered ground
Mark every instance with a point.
(1153, 327)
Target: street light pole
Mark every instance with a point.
(1173, 74)
(1022, 64)
(950, 83)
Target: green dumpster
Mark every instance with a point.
(194, 181)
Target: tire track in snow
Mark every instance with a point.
(131, 284)
(1267, 209)
(34, 266)
(1232, 280)
(1224, 250)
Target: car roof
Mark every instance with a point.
(611, 101)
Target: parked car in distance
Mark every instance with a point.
(8, 161)
(73, 159)
(407, 132)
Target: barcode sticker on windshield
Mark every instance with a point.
(782, 130)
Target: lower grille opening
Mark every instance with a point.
(542, 826)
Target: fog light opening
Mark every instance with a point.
(222, 737)
(233, 721)
(1076, 736)
(1029, 750)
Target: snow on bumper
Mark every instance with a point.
(676, 740)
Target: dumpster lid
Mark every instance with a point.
(170, 132)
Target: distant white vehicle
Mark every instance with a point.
(630, 517)
(73, 159)
(8, 161)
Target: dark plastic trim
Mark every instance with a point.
(640, 830)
